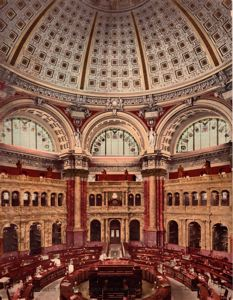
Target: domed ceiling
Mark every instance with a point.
(114, 5)
(116, 46)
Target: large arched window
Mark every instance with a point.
(26, 133)
(116, 142)
(202, 134)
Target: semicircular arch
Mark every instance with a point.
(122, 121)
(57, 125)
(174, 121)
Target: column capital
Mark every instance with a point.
(75, 173)
(154, 164)
(74, 163)
(154, 172)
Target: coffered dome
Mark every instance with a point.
(115, 47)
(114, 5)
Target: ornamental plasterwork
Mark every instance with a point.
(217, 156)
(9, 157)
(120, 168)
(120, 123)
(205, 85)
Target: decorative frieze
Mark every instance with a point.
(9, 157)
(211, 83)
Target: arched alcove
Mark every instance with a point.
(134, 230)
(35, 238)
(10, 238)
(194, 230)
(115, 232)
(173, 232)
(95, 231)
(173, 122)
(122, 121)
(56, 233)
(220, 237)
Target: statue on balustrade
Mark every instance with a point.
(49, 172)
(207, 167)
(180, 171)
(19, 167)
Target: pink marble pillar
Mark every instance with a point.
(70, 211)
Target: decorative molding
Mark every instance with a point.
(114, 105)
(78, 113)
(211, 83)
(75, 162)
(195, 159)
(155, 164)
(27, 160)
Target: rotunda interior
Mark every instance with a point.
(115, 148)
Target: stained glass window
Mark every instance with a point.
(202, 134)
(114, 142)
(26, 133)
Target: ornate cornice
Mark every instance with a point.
(154, 164)
(28, 160)
(75, 173)
(218, 154)
(213, 82)
(154, 172)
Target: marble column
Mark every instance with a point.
(77, 203)
(150, 210)
(152, 203)
(70, 211)
(78, 231)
